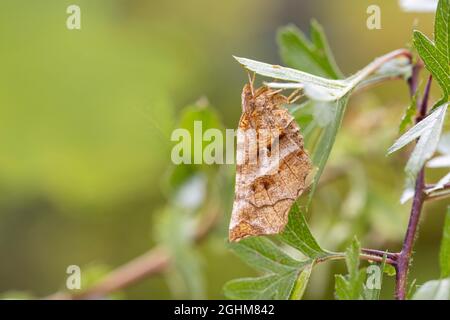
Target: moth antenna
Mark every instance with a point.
(251, 80)
(293, 94)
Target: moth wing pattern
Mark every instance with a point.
(269, 183)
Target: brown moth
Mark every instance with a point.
(272, 165)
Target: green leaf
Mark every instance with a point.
(349, 290)
(374, 293)
(300, 53)
(298, 235)
(444, 255)
(434, 290)
(262, 254)
(390, 270)
(437, 55)
(351, 286)
(352, 257)
(428, 131)
(179, 175)
(301, 283)
(315, 87)
(411, 290)
(408, 117)
(326, 142)
(282, 271)
(175, 230)
(442, 28)
(272, 286)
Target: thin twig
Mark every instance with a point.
(153, 262)
(378, 253)
(439, 195)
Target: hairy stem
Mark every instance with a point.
(404, 258)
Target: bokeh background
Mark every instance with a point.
(86, 118)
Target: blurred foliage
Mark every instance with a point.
(85, 124)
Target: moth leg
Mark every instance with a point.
(295, 99)
(297, 94)
(293, 94)
(251, 81)
(274, 92)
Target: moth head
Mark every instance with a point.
(247, 98)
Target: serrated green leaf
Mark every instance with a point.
(283, 273)
(442, 28)
(298, 235)
(434, 290)
(302, 282)
(313, 57)
(434, 60)
(349, 290)
(351, 287)
(272, 286)
(262, 254)
(444, 255)
(341, 287)
(320, 40)
(437, 55)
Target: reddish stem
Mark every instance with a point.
(404, 257)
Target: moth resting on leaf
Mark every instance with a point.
(272, 165)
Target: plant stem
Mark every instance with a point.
(362, 256)
(404, 258)
(390, 255)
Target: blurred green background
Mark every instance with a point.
(86, 118)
